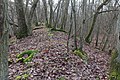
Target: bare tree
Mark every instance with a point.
(87, 39)
(46, 12)
(57, 14)
(69, 34)
(50, 2)
(64, 13)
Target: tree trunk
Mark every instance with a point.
(30, 17)
(22, 26)
(51, 13)
(87, 39)
(71, 24)
(64, 13)
(83, 23)
(3, 40)
(115, 61)
(57, 14)
(45, 10)
(75, 32)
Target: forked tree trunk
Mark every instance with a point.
(64, 13)
(24, 25)
(57, 15)
(3, 40)
(87, 39)
(30, 17)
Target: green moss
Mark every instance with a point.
(83, 55)
(22, 34)
(61, 78)
(30, 54)
(87, 39)
(22, 77)
(114, 67)
(29, 58)
(97, 77)
(50, 34)
(20, 59)
(25, 76)
(114, 75)
(18, 78)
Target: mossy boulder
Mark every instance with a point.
(29, 53)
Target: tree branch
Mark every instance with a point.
(107, 11)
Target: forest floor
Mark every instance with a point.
(54, 62)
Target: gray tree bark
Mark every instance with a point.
(83, 23)
(3, 40)
(30, 17)
(73, 3)
(22, 26)
(57, 14)
(115, 61)
(50, 2)
(64, 13)
(46, 13)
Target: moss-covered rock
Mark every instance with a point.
(29, 53)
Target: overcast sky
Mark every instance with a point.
(41, 0)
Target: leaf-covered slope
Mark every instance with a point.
(53, 61)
